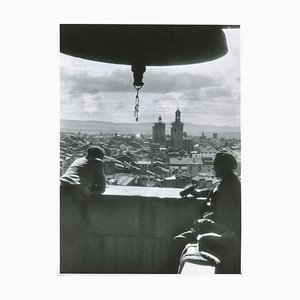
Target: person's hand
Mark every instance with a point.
(194, 193)
(188, 190)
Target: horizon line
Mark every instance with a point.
(149, 123)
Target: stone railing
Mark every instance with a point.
(126, 230)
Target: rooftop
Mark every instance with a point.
(186, 160)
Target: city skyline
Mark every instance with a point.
(206, 93)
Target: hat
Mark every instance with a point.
(226, 159)
(95, 151)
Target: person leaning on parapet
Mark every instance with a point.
(219, 230)
(85, 175)
(224, 200)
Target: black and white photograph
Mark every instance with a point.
(150, 149)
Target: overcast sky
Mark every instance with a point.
(206, 93)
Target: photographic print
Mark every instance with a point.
(150, 149)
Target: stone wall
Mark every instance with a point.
(125, 230)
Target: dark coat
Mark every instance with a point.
(225, 203)
(225, 209)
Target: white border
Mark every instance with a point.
(30, 127)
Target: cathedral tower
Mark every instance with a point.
(159, 132)
(177, 131)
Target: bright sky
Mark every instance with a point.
(206, 93)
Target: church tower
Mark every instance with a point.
(159, 132)
(177, 131)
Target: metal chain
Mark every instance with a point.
(137, 104)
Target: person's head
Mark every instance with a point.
(224, 163)
(95, 152)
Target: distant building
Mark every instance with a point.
(215, 136)
(173, 182)
(111, 151)
(159, 132)
(207, 159)
(144, 165)
(202, 137)
(154, 147)
(193, 164)
(188, 144)
(169, 141)
(123, 179)
(109, 167)
(177, 131)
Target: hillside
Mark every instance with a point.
(146, 128)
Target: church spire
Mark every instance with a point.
(177, 115)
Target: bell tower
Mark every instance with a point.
(177, 131)
(177, 115)
(159, 132)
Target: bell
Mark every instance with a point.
(152, 45)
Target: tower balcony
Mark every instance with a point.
(125, 230)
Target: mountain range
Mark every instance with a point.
(145, 128)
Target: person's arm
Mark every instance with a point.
(100, 183)
(200, 193)
(202, 226)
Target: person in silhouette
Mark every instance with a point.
(218, 232)
(84, 176)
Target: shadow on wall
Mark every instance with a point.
(124, 233)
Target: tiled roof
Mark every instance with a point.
(125, 180)
(143, 162)
(186, 161)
